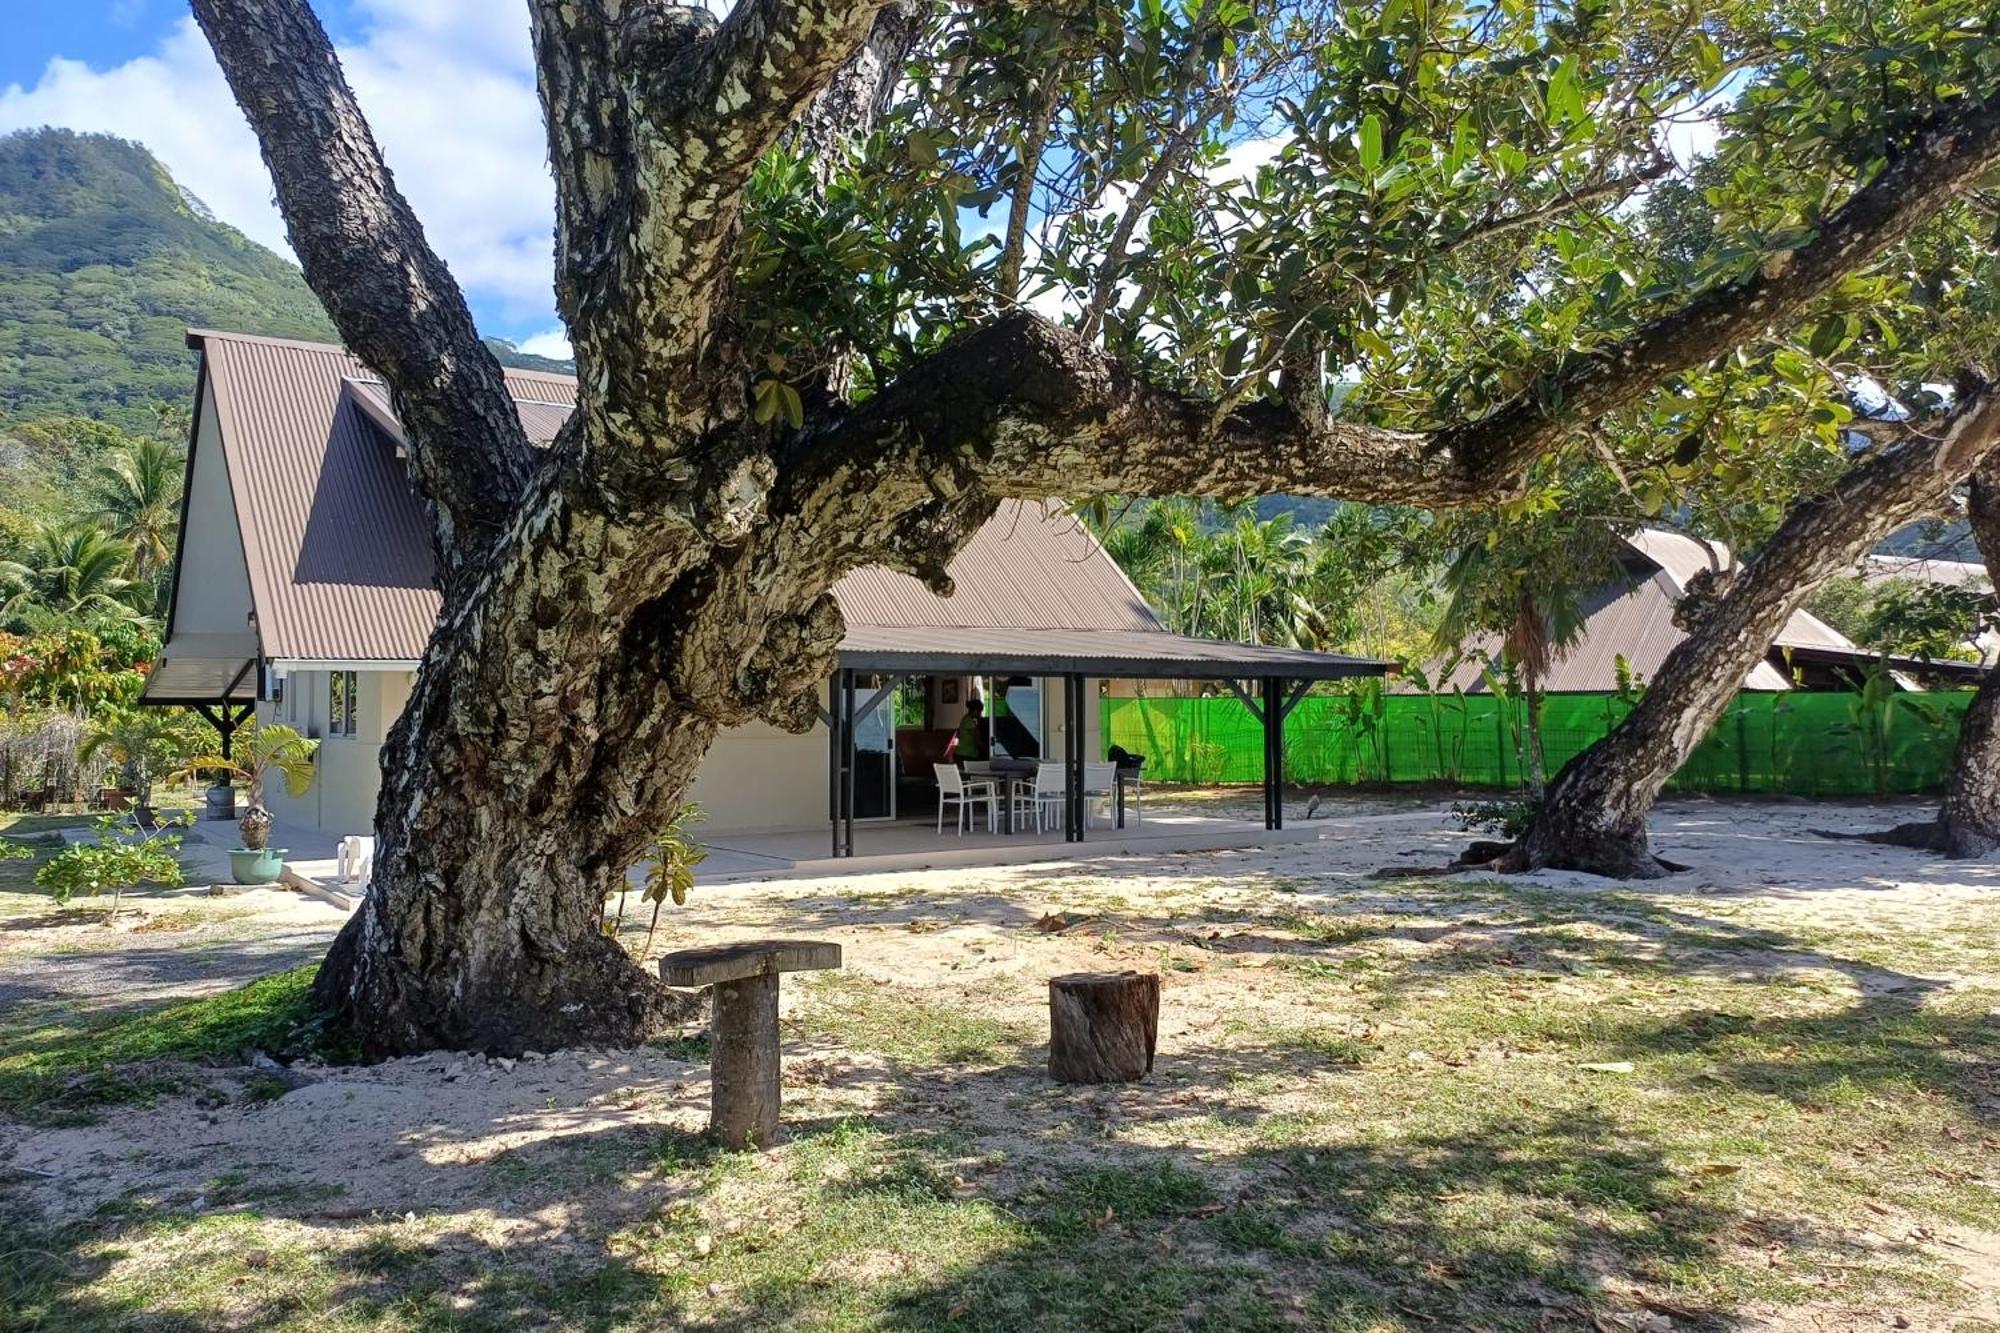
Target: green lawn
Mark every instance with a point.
(1426, 1106)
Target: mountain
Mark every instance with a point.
(105, 262)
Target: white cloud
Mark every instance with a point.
(448, 86)
(549, 342)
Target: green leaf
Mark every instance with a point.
(795, 407)
(1369, 143)
(1233, 355)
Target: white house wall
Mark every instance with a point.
(348, 768)
(754, 777)
(213, 595)
(758, 776)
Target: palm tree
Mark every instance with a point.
(73, 569)
(137, 497)
(1533, 602)
(259, 753)
(143, 742)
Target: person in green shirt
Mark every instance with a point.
(972, 732)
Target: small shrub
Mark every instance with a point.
(120, 858)
(1508, 819)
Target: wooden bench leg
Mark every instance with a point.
(743, 1067)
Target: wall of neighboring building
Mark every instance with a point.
(349, 767)
(213, 593)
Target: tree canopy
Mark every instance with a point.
(842, 275)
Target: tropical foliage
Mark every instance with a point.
(119, 857)
(1362, 581)
(260, 753)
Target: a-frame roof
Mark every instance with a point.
(340, 567)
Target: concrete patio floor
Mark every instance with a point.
(915, 844)
(1167, 823)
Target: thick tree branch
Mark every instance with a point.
(705, 110)
(1020, 407)
(366, 258)
(1594, 818)
(1953, 153)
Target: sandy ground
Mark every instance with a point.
(508, 1144)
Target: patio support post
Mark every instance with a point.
(832, 716)
(847, 757)
(1073, 802)
(1273, 712)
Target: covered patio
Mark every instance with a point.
(1072, 664)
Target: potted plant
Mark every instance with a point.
(259, 753)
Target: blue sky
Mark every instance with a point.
(447, 85)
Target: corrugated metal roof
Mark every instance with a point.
(1090, 652)
(339, 552)
(1636, 622)
(1033, 566)
(1924, 569)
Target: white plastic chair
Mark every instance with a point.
(355, 859)
(1050, 790)
(952, 787)
(1100, 783)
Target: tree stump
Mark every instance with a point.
(1103, 1026)
(743, 1098)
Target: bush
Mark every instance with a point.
(118, 860)
(1508, 819)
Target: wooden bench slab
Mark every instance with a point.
(754, 958)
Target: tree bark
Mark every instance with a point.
(745, 1098)
(1968, 821)
(1593, 817)
(662, 572)
(365, 254)
(1103, 1026)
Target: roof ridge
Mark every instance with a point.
(197, 336)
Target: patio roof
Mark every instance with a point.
(1155, 654)
(205, 669)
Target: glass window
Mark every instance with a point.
(1016, 713)
(342, 703)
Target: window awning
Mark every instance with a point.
(204, 669)
(1149, 654)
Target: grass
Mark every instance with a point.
(61, 1066)
(1374, 1110)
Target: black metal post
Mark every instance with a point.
(1269, 692)
(848, 755)
(833, 765)
(1279, 712)
(1073, 754)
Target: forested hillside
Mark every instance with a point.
(104, 263)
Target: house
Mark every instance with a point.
(1630, 620)
(304, 593)
(1881, 569)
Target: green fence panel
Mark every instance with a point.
(1833, 744)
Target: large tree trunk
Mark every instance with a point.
(1968, 820)
(662, 572)
(1593, 817)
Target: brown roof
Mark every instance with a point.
(1127, 653)
(1636, 621)
(340, 563)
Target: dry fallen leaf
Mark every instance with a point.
(1608, 1066)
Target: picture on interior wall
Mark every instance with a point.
(948, 690)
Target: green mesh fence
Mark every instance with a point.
(1831, 744)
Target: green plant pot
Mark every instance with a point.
(256, 865)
